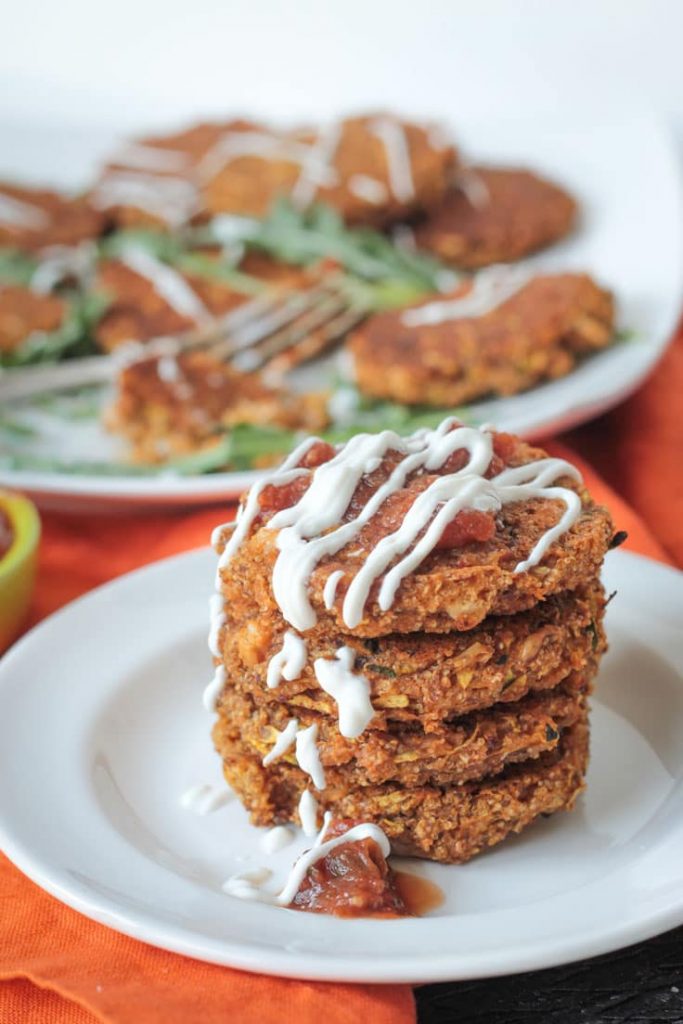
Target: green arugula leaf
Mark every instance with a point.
(16, 268)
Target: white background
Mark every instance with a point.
(139, 62)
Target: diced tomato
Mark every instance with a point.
(272, 499)
(505, 446)
(318, 453)
(468, 527)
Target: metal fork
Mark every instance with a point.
(272, 333)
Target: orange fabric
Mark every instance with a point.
(638, 449)
(83, 972)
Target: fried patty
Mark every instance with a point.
(374, 169)
(138, 312)
(450, 824)
(24, 312)
(42, 218)
(424, 678)
(455, 587)
(151, 182)
(538, 334)
(479, 745)
(496, 215)
(172, 405)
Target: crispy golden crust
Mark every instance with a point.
(172, 406)
(514, 213)
(479, 745)
(427, 678)
(537, 334)
(450, 824)
(453, 588)
(64, 221)
(24, 312)
(249, 185)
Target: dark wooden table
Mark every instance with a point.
(640, 985)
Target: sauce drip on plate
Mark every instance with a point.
(355, 880)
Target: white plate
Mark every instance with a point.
(102, 728)
(624, 171)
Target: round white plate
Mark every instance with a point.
(623, 169)
(102, 729)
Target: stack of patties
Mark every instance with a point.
(406, 632)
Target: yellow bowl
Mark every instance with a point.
(17, 565)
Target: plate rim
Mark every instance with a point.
(398, 967)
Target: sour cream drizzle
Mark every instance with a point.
(285, 738)
(217, 620)
(316, 169)
(140, 157)
(246, 889)
(308, 813)
(308, 757)
(350, 691)
(214, 689)
(489, 289)
(312, 529)
(331, 584)
(58, 262)
(15, 213)
(204, 798)
(289, 661)
(370, 190)
(276, 838)
(473, 187)
(168, 283)
(171, 199)
(266, 146)
(399, 168)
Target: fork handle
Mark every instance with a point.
(37, 380)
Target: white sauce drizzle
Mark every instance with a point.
(246, 889)
(474, 188)
(399, 168)
(236, 144)
(370, 190)
(289, 661)
(214, 689)
(350, 691)
(168, 369)
(284, 740)
(308, 813)
(15, 213)
(490, 289)
(58, 262)
(246, 513)
(217, 619)
(218, 532)
(139, 157)
(204, 798)
(438, 137)
(168, 283)
(316, 169)
(172, 199)
(312, 529)
(331, 584)
(276, 838)
(308, 756)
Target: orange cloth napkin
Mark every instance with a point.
(57, 966)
